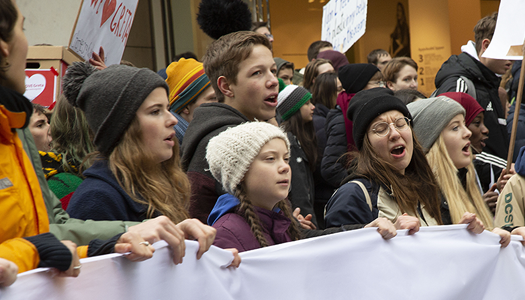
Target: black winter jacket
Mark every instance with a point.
(486, 83)
(332, 165)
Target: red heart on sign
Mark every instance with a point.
(108, 10)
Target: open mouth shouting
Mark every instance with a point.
(466, 150)
(170, 140)
(398, 151)
(271, 100)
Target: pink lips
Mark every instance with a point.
(271, 100)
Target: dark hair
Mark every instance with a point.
(324, 90)
(245, 209)
(408, 95)
(286, 65)
(313, 50)
(225, 54)
(392, 68)
(186, 55)
(484, 29)
(374, 55)
(39, 109)
(257, 25)
(305, 133)
(311, 72)
(8, 17)
(417, 185)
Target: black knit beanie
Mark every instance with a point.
(366, 105)
(355, 77)
(109, 98)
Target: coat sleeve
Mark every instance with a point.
(332, 167)
(60, 224)
(348, 206)
(225, 238)
(21, 252)
(510, 208)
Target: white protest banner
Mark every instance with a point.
(439, 262)
(344, 22)
(103, 23)
(507, 41)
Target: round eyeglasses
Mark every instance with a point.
(383, 128)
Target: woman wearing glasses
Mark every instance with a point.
(390, 176)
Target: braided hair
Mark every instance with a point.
(246, 210)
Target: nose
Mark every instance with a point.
(413, 84)
(171, 120)
(284, 168)
(484, 130)
(393, 134)
(468, 133)
(272, 81)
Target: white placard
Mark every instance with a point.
(510, 31)
(344, 22)
(105, 23)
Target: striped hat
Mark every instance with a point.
(187, 80)
(290, 100)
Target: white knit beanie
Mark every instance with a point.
(231, 153)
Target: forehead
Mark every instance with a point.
(262, 30)
(259, 55)
(388, 116)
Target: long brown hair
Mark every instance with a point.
(163, 187)
(324, 90)
(417, 185)
(311, 72)
(246, 210)
(305, 133)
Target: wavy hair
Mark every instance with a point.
(246, 210)
(460, 199)
(163, 187)
(72, 137)
(417, 185)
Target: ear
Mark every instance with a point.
(4, 48)
(390, 85)
(484, 45)
(224, 87)
(185, 111)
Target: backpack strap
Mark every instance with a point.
(365, 191)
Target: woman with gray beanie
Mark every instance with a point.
(390, 175)
(137, 173)
(439, 124)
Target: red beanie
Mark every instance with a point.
(470, 104)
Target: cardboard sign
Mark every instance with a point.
(510, 32)
(41, 86)
(105, 23)
(344, 22)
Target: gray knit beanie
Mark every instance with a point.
(109, 98)
(290, 100)
(430, 116)
(231, 153)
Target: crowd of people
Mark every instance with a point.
(243, 151)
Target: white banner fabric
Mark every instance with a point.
(441, 262)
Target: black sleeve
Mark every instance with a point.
(53, 254)
(99, 247)
(309, 233)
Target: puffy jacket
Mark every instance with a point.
(332, 165)
(302, 193)
(23, 211)
(486, 84)
(209, 120)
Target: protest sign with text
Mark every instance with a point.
(344, 22)
(103, 23)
